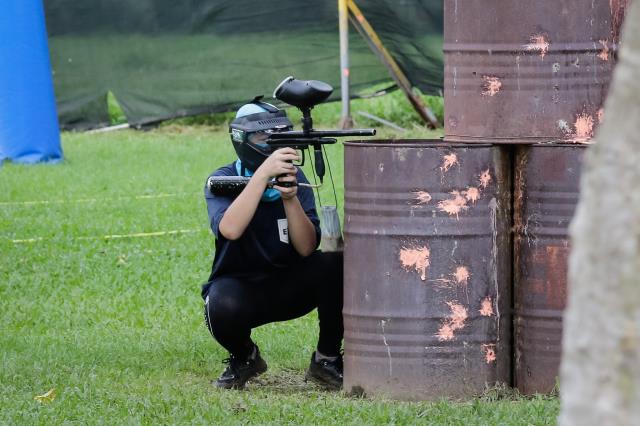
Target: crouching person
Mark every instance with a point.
(267, 267)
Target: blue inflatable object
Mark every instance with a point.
(29, 131)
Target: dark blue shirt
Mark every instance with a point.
(264, 246)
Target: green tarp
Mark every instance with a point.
(164, 59)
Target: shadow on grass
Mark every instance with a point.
(286, 382)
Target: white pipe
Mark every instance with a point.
(343, 23)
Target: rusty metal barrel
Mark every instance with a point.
(427, 269)
(546, 190)
(528, 71)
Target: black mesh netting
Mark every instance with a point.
(163, 59)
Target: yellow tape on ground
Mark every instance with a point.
(91, 200)
(115, 236)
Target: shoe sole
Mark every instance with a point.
(234, 386)
(321, 382)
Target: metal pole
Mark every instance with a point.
(365, 29)
(343, 21)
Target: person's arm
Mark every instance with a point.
(241, 211)
(302, 233)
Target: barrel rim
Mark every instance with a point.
(513, 140)
(557, 145)
(489, 47)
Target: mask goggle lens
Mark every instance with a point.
(259, 138)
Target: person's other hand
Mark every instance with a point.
(287, 192)
(280, 162)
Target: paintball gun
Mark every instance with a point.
(304, 95)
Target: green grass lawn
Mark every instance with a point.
(101, 261)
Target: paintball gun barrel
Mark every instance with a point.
(230, 186)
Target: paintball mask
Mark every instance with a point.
(252, 126)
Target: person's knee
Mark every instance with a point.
(225, 307)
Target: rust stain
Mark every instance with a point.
(416, 258)
(422, 197)
(485, 179)
(618, 10)
(557, 269)
(491, 86)
(536, 285)
(455, 321)
(489, 351)
(453, 206)
(538, 43)
(486, 307)
(471, 194)
(449, 161)
(604, 53)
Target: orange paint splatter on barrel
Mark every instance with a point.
(416, 258)
(455, 321)
(485, 179)
(449, 161)
(584, 127)
(604, 53)
(491, 86)
(486, 307)
(538, 43)
(422, 197)
(471, 194)
(489, 351)
(445, 333)
(458, 315)
(461, 275)
(453, 206)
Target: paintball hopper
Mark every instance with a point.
(304, 94)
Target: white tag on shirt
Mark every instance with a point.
(283, 229)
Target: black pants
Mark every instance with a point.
(233, 305)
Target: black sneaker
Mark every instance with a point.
(238, 371)
(325, 373)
